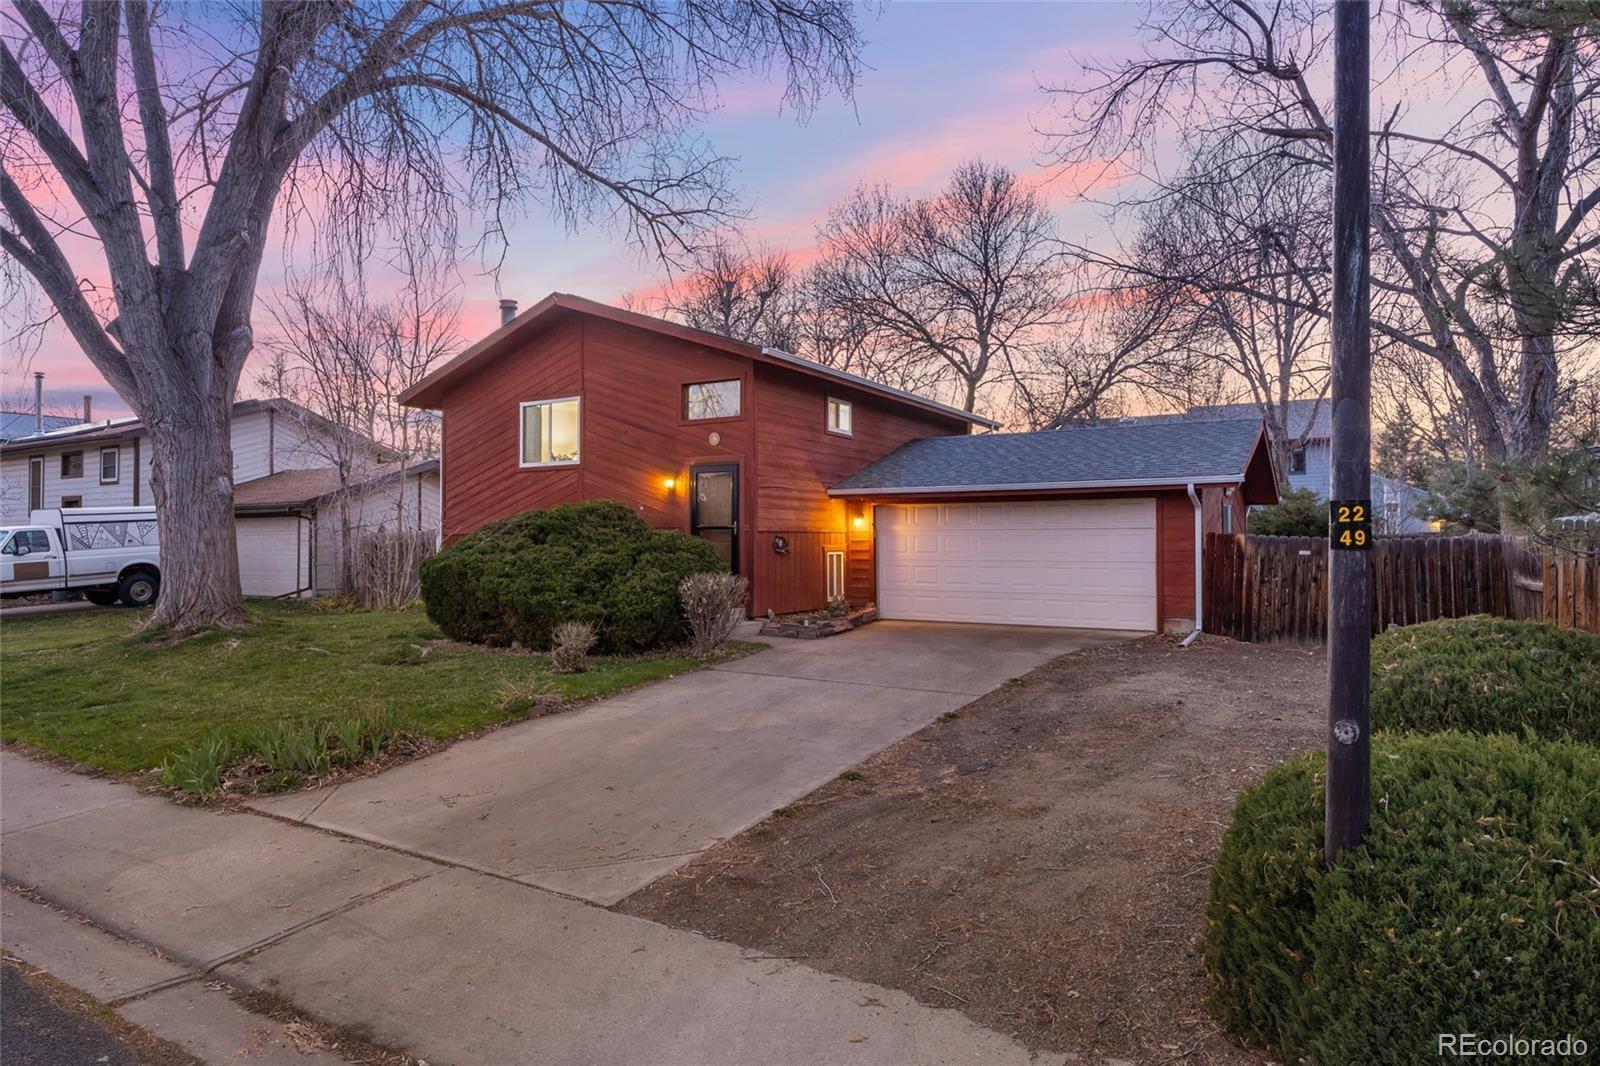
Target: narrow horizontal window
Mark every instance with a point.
(711, 399)
(550, 432)
(840, 416)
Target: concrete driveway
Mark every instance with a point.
(598, 803)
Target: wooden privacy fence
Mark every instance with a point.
(1275, 589)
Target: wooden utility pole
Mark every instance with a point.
(1349, 788)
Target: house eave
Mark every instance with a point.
(1041, 486)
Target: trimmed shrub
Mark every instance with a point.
(570, 644)
(514, 581)
(713, 604)
(1487, 675)
(1470, 907)
(1298, 513)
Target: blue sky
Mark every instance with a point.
(944, 81)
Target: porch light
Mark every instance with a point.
(858, 521)
(669, 483)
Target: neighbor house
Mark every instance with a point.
(292, 507)
(1308, 458)
(820, 485)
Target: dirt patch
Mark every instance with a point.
(1039, 859)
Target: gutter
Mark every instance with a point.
(1121, 483)
(1199, 563)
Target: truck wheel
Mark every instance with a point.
(139, 589)
(101, 597)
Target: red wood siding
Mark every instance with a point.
(798, 460)
(483, 480)
(634, 437)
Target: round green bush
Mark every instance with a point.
(1487, 675)
(515, 580)
(1470, 907)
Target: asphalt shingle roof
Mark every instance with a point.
(1143, 452)
(1311, 419)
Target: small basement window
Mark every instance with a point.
(711, 399)
(110, 465)
(839, 416)
(72, 501)
(71, 464)
(835, 576)
(550, 432)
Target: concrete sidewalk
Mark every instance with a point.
(453, 965)
(599, 803)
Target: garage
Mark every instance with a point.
(1085, 563)
(274, 555)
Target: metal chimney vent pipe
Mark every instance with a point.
(508, 311)
(38, 401)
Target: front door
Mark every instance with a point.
(714, 509)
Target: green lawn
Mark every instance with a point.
(90, 686)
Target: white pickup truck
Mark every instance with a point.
(109, 554)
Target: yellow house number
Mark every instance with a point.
(1350, 524)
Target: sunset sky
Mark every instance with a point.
(944, 81)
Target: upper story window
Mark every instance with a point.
(840, 414)
(110, 465)
(711, 399)
(71, 464)
(1297, 461)
(550, 432)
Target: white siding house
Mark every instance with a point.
(286, 487)
(1310, 461)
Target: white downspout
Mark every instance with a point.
(1199, 572)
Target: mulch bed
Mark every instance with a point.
(1040, 860)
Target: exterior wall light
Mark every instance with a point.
(669, 483)
(858, 521)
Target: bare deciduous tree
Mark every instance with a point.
(368, 116)
(1485, 216)
(964, 283)
(754, 295)
(346, 358)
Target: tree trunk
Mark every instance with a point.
(191, 479)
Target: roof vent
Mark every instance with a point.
(508, 311)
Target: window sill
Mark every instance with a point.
(548, 466)
(839, 432)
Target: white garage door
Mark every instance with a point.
(1088, 563)
(274, 555)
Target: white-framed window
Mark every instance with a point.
(549, 432)
(835, 576)
(840, 417)
(712, 399)
(110, 465)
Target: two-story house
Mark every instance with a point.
(818, 484)
(293, 509)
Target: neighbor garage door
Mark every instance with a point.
(1088, 563)
(274, 555)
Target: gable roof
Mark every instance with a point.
(1158, 453)
(430, 390)
(14, 424)
(1307, 419)
(111, 429)
(298, 488)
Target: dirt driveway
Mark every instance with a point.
(1040, 861)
